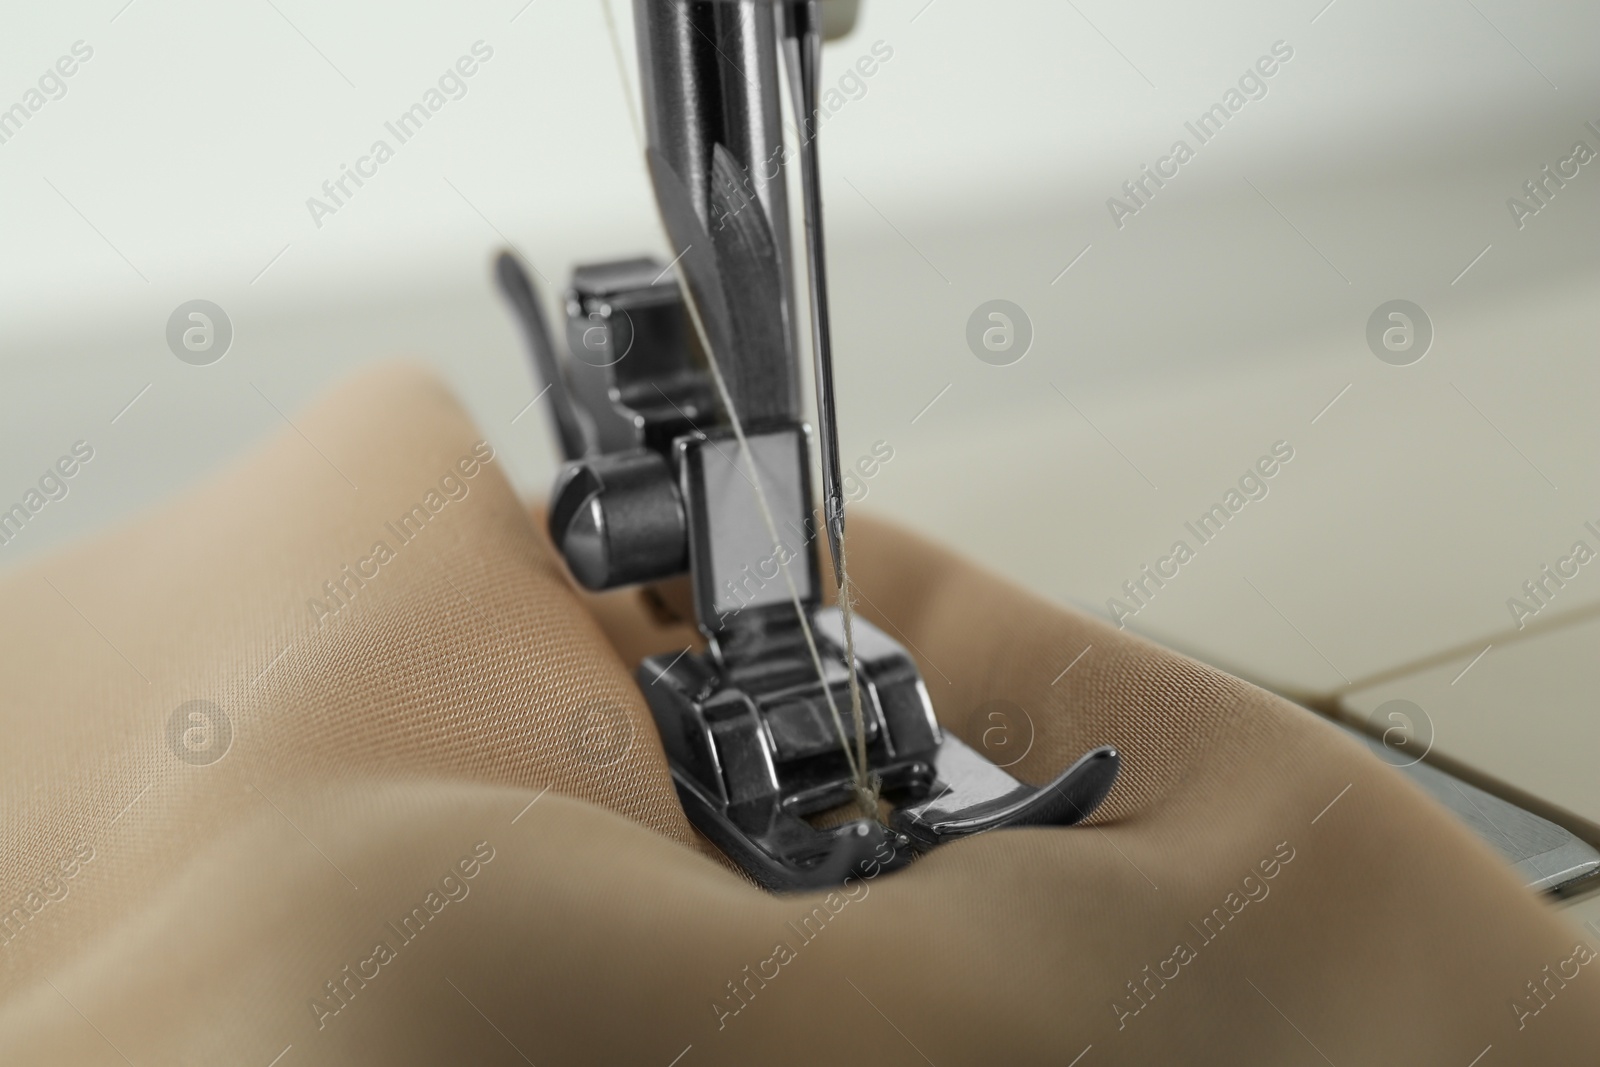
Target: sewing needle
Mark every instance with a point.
(802, 46)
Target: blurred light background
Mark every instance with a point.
(1169, 353)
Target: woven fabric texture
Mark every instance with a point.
(268, 789)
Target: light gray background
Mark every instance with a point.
(1222, 318)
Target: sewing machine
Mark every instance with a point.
(1172, 366)
(678, 409)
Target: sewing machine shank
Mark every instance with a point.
(677, 409)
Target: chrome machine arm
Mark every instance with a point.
(658, 482)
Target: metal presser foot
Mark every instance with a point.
(660, 482)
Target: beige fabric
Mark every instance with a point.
(384, 758)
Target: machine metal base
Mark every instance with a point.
(755, 755)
